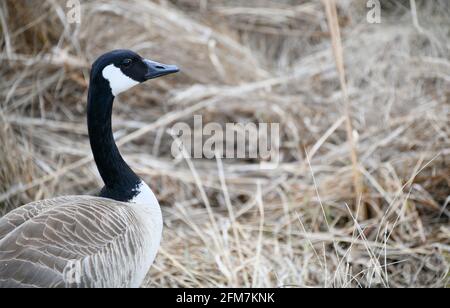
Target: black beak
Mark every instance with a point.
(156, 69)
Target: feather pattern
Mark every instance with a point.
(78, 242)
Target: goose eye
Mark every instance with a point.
(127, 62)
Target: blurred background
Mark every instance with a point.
(360, 197)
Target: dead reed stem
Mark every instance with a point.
(338, 51)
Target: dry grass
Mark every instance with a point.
(371, 137)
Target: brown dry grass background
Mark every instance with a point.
(360, 198)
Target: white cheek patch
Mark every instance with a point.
(118, 81)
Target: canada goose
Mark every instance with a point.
(83, 241)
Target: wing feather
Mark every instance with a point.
(72, 242)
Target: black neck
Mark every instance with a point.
(120, 181)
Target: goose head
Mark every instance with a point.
(113, 73)
(124, 69)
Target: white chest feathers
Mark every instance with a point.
(147, 206)
(118, 81)
(145, 196)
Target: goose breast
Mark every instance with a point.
(78, 242)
